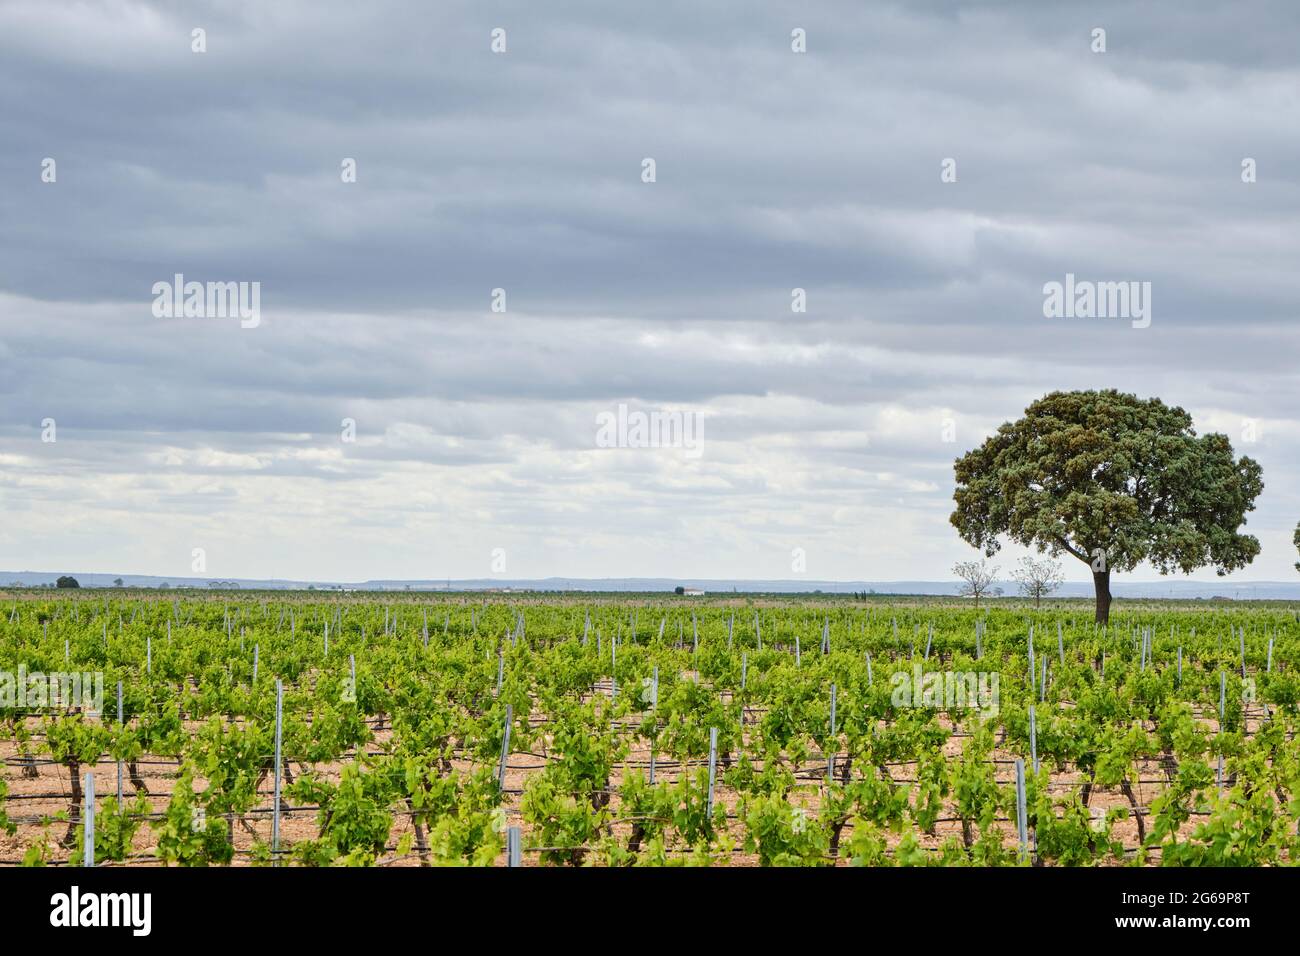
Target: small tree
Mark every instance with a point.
(117, 582)
(977, 580)
(1038, 579)
(66, 581)
(1296, 541)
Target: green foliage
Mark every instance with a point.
(354, 818)
(6, 825)
(186, 834)
(115, 829)
(563, 824)
(782, 833)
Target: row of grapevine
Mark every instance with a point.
(648, 731)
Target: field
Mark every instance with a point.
(422, 729)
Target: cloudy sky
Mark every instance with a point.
(523, 171)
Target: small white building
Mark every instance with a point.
(693, 592)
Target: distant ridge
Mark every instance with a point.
(1173, 588)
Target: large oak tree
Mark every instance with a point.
(1113, 480)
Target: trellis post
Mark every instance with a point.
(713, 764)
(279, 733)
(505, 749)
(830, 759)
(88, 856)
(654, 716)
(1022, 824)
(1033, 737)
(513, 849)
(119, 727)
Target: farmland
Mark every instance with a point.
(647, 730)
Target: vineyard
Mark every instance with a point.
(431, 730)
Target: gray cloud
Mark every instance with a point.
(522, 171)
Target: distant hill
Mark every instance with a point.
(1172, 588)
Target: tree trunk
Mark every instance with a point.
(421, 844)
(75, 810)
(1101, 581)
(837, 828)
(1127, 789)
